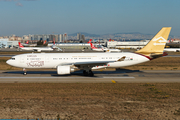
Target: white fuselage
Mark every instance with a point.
(106, 49)
(171, 49)
(52, 60)
(114, 50)
(99, 49)
(37, 48)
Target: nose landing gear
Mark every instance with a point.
(24, 69)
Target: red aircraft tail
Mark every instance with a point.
(92, 46)
(20, 45)
(27, 42)
(90, 41)
(44, 42)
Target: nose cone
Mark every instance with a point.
(8, 62)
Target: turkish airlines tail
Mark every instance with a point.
(157, 44)
(44, 42)
(20, 45)
(92, 46)
(90, 41)
(27, 42)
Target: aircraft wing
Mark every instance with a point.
(93, 63)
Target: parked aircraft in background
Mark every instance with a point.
(65, 63)
(28, 45)
(101, 48)
(38, 49)
(171, 49)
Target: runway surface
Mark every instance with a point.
(119, 76)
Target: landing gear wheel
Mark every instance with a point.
(85, 73)
(88, 73)
(91, 73)
(24, 71)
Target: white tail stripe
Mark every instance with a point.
(159, 39)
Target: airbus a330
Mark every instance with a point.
(65, 63)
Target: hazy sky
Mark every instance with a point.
(92, 16)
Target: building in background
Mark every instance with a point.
(81, 38)
(5, 43)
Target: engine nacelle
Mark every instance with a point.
(62, 70)
(38, 50)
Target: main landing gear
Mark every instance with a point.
(88, 73)
(24, 69)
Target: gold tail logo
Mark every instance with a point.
(157, 44)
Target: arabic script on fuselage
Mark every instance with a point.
(35, 63)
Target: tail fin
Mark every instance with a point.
(27, 42)
(157, 44)
(20, 45)
(53, 41)
(44, 42)
(92, 46)
(90, 41)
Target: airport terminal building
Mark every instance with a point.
(127, 44)
(72, 45)
(5, 43)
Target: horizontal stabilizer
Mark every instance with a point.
(122, 59)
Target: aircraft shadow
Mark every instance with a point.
(31, 72)
(77, 73)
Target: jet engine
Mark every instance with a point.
(38, 50)
(62, 70)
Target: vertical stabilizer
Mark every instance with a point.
(92, 46)
(157, 44)
(20, 45)
(90, 41)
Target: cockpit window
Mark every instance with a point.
(12, 58)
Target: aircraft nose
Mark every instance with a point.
(8, 62)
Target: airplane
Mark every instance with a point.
(65, 63)
(38, 49)
(101, 48)
(28, 45)
(172, 49)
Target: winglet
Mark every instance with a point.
(122, 59)
(157, 44)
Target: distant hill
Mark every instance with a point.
(131, 35)
(84, 33)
